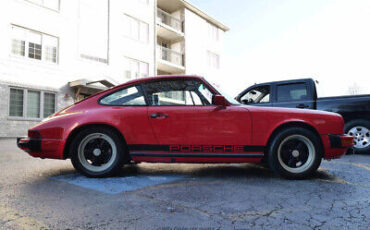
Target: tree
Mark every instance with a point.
(354, 89)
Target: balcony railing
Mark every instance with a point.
(171, 55)
(169, 20)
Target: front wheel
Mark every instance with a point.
(360, 130)
(295, 153)
(97, 152)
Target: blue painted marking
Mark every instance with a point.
(116, 185)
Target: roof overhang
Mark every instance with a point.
(90, 87)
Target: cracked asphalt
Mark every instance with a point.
(207, 196)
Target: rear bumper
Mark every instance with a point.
(42, 148)
(335, 146)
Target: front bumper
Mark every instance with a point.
(336, 146)
(341, 141)
(29, 144)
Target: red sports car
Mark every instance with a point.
(184, 119)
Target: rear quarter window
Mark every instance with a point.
(130, 96)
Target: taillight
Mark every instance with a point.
(34, 134)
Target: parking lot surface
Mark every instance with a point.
(49, 194)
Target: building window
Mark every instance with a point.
(34, 45)
(51, 4)
(16, 103)
(19, 41)
(136, 69)
(49, 104)
(213, 60)
(31, 104)
(213, 32)
(50, 48)
(136, 29)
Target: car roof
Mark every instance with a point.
(154, 78)
(284, 81)
(161, 77)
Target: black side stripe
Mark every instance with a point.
(166, 148)
(201, 155)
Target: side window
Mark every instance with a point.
(182, 92)
(260, 94)
(292, 92)
(128, 96)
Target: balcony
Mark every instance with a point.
(170, 61)
(168, 26)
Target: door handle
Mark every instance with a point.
(302, 106)
(158, 115)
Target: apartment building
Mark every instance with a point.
(56, 52)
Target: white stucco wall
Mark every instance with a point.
(35, 74)
(197, 43)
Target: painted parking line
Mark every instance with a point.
(116, 185)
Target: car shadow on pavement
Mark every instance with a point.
(246, 170)
(198, 170)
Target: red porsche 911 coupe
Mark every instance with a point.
(184, 119)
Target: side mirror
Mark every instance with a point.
(219, 100)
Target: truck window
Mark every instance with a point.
(260, 94)
(292, 92)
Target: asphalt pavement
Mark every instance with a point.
(49, 194)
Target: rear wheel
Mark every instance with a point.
(295, 153)
(360, 130)
(97, 152)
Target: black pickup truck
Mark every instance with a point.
(301, 93)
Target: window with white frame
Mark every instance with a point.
(213, 60)
(34, 45)
(136, 29)
(51, 4)
(31, 104)
(213, 32)
(136, 69)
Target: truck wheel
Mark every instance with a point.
(295, 153)
(97, 152)
(360, 130)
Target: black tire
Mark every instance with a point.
(348, 129)
(295, 153)
(94, 146)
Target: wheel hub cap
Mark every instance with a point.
(361, 136)
(97, 152)
(295, 153)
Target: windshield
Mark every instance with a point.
(228, 98)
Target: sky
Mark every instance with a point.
(271, 40)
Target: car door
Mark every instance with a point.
(181, 113)
(129, 108)
(294, 95)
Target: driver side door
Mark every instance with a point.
(181, 113)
